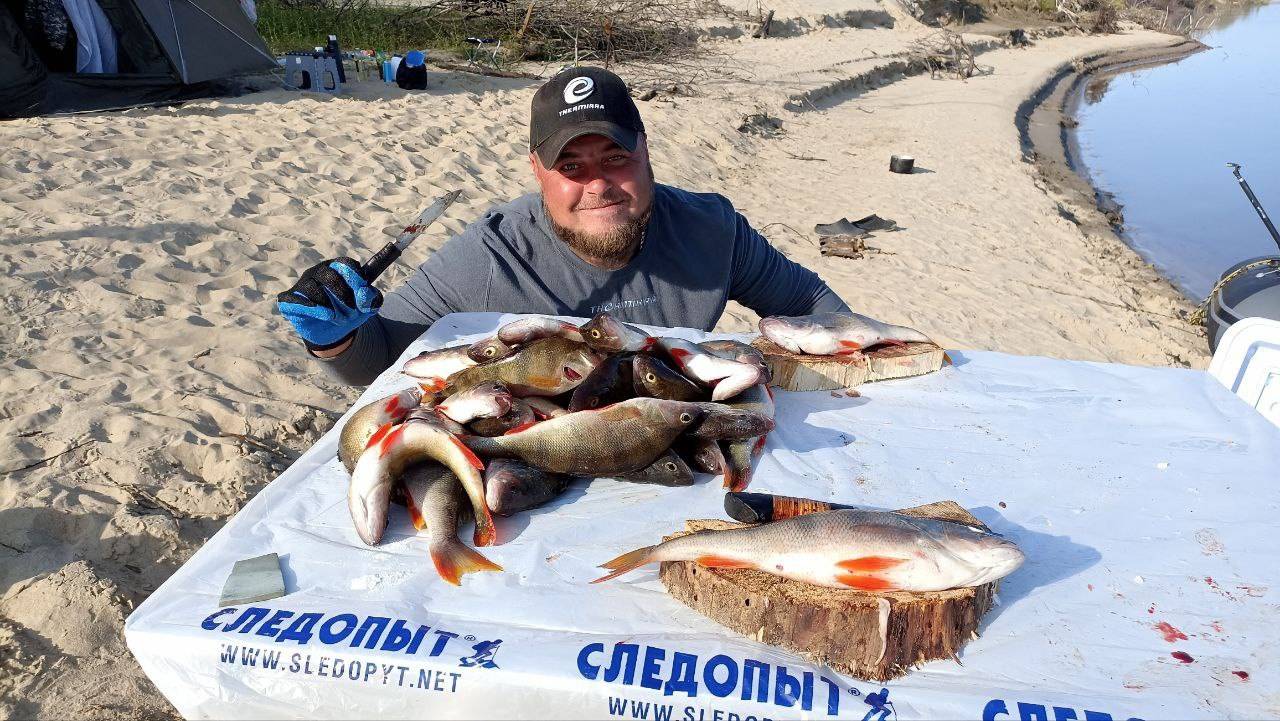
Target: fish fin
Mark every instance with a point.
(457, 560)
(521, 427)
(435, 385)
(769, 389)
(864, 582)
(486, 534)
(730, 477)
(758, 447)
(869, 563)
(415, 515)
(628, 561)
(411, 504)
(471, 457)
(392, 406)
(848, 346)
(893, 342)
(390, 439)
(722, 562)
(378, 435)
(542, 381)
(737, 480)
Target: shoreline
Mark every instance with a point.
(1047, 124)
(147, 246)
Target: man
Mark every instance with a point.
(600, 236)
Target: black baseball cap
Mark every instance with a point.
(581, 101)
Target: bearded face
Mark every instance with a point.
(599, 197)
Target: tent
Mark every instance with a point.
(166, 51)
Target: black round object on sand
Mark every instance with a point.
(902, 164)
(1254, 293)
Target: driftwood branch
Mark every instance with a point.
(43, 461)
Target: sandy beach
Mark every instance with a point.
(149, 387)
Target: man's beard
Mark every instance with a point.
(612, 247)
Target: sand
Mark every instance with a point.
(149, 388)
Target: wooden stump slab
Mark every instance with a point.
(801, 372)
(871, 636)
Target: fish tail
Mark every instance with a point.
(628, 561)
(456, 560)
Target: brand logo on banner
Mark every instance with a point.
(880, 705)
(483, 656)
(719, 677)
(999, 710)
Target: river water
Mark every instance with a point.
(1159, 139)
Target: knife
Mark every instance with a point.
(385, 257)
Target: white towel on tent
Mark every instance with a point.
(95, 38)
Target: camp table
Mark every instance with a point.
(1144, 498)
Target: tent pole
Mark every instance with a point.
(239, 37)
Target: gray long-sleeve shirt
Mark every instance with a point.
(697, 255)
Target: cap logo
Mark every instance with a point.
(578, 89)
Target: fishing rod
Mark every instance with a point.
(1244, 185)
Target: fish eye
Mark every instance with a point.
(671, 466)
(595, 333)
(685, 418)
(652, 378)
(595, 402)
(490, 350)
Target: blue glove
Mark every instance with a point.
(329, 302)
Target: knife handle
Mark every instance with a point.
(379, 262)
(765, 507)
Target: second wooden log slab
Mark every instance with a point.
(801, 372)
(872, 636)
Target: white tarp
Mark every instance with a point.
(1145, 499)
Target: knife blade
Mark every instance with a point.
(389, 252)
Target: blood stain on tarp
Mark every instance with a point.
(1254, 591)
(1217, 626)
(1003, 504)
(1218, 589)
(1244, 675)
(1151, 609)
(1170, 633)
(1209, 543)
(1182, 656)
(1091, 587)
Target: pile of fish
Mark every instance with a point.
(501, 425)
